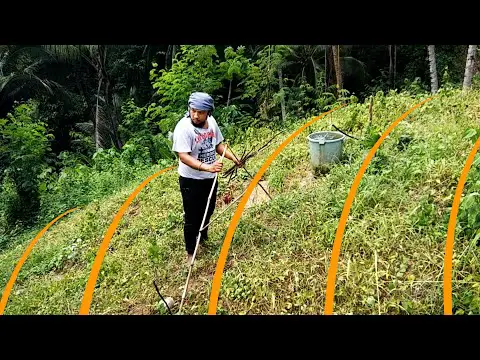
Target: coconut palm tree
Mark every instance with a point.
(433, 68)
(307, 60)
(338, 66)
(23, 73)
(467, 80)
(105, 124)
(392, 70)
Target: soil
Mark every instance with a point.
(258, 196)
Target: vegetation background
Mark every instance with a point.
(83, 125)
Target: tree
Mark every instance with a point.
(23, 145)
(395, 66)
(433, 68)
(304, 60)
(392, 70)
(23, 74)
(195, 69)
(467, 80)
(235, 67)
(107, 107)
(338, 67)
(60, 87)
(265, 82)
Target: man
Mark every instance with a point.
(197, 139)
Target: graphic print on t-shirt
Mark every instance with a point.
(206, 150)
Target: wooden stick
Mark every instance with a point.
(344, 133)
(252, 153)
(266, 192)
(199, 234)
(231, 203)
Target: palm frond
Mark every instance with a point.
(33, 67)
(287, 63)
(27, 52)
(101, 119)
(80, 141)
(5, 80)
(72, 52)
(13, 92)
(116, 112)
(103, 125)
(353, 60)
(116, 101)
(85, 127)
(350, 64)
(64, 52)
(45, 83)
(28, 76)
(3, 59)
(15, 81)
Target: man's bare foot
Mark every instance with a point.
(189, 259)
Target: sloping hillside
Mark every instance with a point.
(279, 258)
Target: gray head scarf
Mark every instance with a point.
(200, 101)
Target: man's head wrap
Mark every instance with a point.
(201, 101)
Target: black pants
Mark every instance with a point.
(195, 196)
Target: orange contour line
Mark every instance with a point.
(92, 280)
(332, 271)
(217, 278)
(447, 260)
(18, 267)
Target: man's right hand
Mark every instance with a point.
(215, 167)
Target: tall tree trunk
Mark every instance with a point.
(166, 56)
(332, 79)
(174, 48)
(331, 66)
(115, 113)
(467, 80)
(338, 67)
(433, 68)
(326, 72)
(229, 92)
(394, 66)
(314, 73)
(112, 106)
(282, 101)
(98, 144)
(107, 88)
(390, 69)
(103, 75)
(268, 68)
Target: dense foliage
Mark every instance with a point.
(83, 125)
(79, 121)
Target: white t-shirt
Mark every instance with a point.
(200, 143)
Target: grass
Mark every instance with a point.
(279, 257)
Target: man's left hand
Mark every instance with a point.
(238, 163)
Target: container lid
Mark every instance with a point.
(326, 136)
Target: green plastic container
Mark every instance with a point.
(326, 147)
